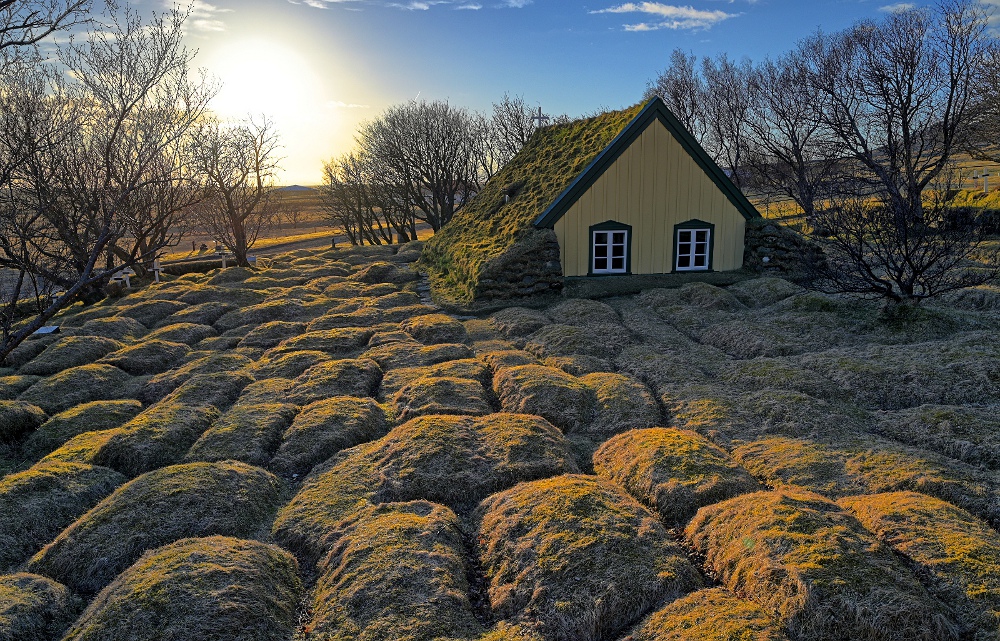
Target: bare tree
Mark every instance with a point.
(727, 111)
(682, 89)
(506, 131)
(238, 164)
(23, 23)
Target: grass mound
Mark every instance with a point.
(149, 313)
(194, 499)
(200, 314)
(70, 351)
(623, 404)
(763, 292)
(278, 310)
(216, 588)
(33, 608)
(79, 385)
(600, 341)
(518, 322)
(397, 573)
(219, 389)
(577, 556)
(441, 395)
(264, 391)
(396, 379)
(390, 300)
(12, 386)
(163, 384)
(36, 504)
(399, 354)
(120, 329)
(284, 364)
(674, 471)
(87, 417)
(454, 460)
(959, 555)
(231, 297)
(152, 356)
(802, 557)
(432, 329)
(324, 428)
(17, 420)
(187, 333)
(583, 312)
(759, 373)
(28, 350)
(967, 433)
(270, 334)
(560, 398)
(248, 433)
(381, 272)
(712, 614)
(341, 377)
(344, 341)
(503, 358)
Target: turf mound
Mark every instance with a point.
(342, 377)
(599, 341)
(218, 390)
(710, 615)
(162, 384)
(583, 312)
(93, 416)
(345, 341)
(454, 460)
(194, 499)
(287, 364)
(467, 368)
(577, 556)
(397, 355)
(79, 385)
(217, 588)
(248, 433)
(432, 329)
(279, 310)
(623, 404)
(231, 297)
(970, 434)
(763, 292)
(803, 558)
(958, 555)
(397, 573)
(28, 350)
(390, 300)
(33, 608)
(515, 322)
(12, 386)
(36, 504)
(324, 428)
(199, 314)
(17, 420)
(149, 313)
(758, 373)
(264, 391)
(187, 333)
(674, 471)
(120, 329)
(560, 398)
(380, 272)
(151, 356)
(503, 358)
(70, 351)
(441, 395)
(270, 334)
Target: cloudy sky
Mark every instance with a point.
(320, 67)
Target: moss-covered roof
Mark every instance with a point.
(489, 225)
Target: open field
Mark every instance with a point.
(310, 451)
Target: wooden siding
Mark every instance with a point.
(652, 186)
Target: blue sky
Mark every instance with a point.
(320, 67)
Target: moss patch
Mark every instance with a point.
(674, 471)
(441, 395)
(151, 356)
(70, 351)
(33, 608)
(87, 417)
(248, 433)
(341, 377)
(79, 385)
(397, 573)
(206, 588)
(560, 398)
(36, 504)
(578, 556)
(194, 499)
(713, 614)
(805, 559)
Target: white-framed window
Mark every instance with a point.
(693, 249)
(610, 251)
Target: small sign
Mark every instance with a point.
(45, 331)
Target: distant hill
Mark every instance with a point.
(295, 188)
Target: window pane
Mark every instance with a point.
(600, 251)
(700, 261)
(684, 248)
(600, 264)
(601, 238)
(618, 250)
(702, 235)
(618, 264)
(683, 261)
(684, 236)
(619, 237)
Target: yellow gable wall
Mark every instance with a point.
(652, 186)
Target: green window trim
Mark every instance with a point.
(609, 226)
(693, 224)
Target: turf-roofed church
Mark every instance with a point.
(625, 192)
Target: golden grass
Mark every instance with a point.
(340, 377)
(673, 471)
(381, 272)
(264, 391)
(216, 389)
(432, 329)
(151, 356)
(440, 395)
(163, 384)
(194, 499)
(70, 351)
(12, 386)
(287, 364)
(200, 588)
(346, 341)
(713, 614)
(149, 313)
(17, 420)
(398, 355)
(454, 460)
(79, 385)
(396, 573)
(564, 400)
(86, 417)
(623, 404)
(578, 556)
(248, 433)
(36, 504)
(33, 608)
(182, 332)
(472, 369)
(260, 313)
(803, 558)
(326, 427)
(270, 334)
(120, 329)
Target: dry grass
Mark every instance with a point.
(967, 433)
(194, 499)
(379, 272)
(282, 364)
(120, 329)
(518, 322)
(187, 333)
(163, 384)
(231, 297)
(676, 472)
(601, 341)
(712, 614)
(17, 420)
(564, 400)
(270, 334)
(70, 351)
(217, 389)
(12, 386)
(36, 504)
(264, 391)
(151, 356)
(248, 433)
(578, 556)
(198, 314)
(346, 341)
(454, 460)
(958, 554)
(623, 404)
(412, 354)
(278, 310)
(432, 329)
(441, 395)
(397, 573)
(149, 313)
(763, 292)
(503, 358)
(467, 368)
(803, 558)
(217, 588)
(33, 608)
(341, 377)
(87, 417)
(326, 427)
(79, 385)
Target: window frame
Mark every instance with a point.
(609, 226)
(693, 225)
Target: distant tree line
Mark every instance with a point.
(860, 129)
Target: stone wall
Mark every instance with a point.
(772, 248)
(530, 268)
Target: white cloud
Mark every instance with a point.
(515, 4)
(470, 6)
(340, 104)
(204, 16)
(669, 16)
(897, 7)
